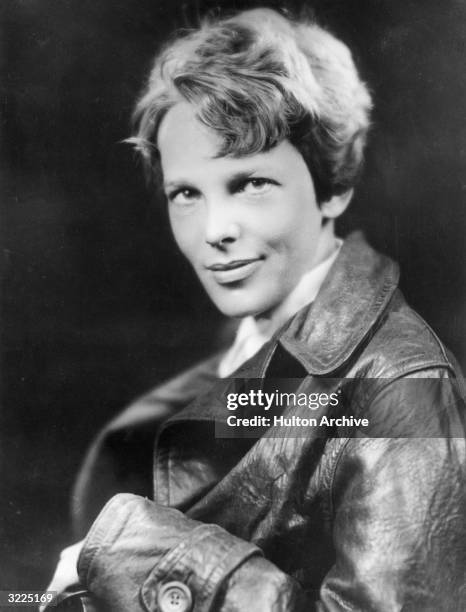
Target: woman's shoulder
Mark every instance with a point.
(402, 342)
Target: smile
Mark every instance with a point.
(235, 270)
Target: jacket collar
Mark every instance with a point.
(324, 335)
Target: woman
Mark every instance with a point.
(256, 126)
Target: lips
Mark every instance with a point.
(231, 265)
(235, 270)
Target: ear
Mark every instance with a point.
(337, 204)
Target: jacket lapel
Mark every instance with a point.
(352, 298)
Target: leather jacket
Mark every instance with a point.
(338, 519)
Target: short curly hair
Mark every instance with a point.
(256, 79)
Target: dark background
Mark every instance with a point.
(97, 307)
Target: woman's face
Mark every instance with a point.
(250, 226)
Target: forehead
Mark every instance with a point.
(189, 151)
(182, 137)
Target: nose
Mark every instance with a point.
(221, 228)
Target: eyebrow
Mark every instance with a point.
(232, 181)
(176, 184)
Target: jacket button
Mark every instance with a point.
(174, 597)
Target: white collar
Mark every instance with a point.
(253, 333)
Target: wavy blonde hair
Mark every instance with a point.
(256, 79)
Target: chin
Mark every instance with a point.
(238, 307)
(233, 310)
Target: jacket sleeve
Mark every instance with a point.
(399, 527)
(137, 548)
(399, 503)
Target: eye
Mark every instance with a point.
(183, 197)
(256, 186)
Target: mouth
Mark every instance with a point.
(231, 265)
(235, 270)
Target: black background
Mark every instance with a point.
(96, 305)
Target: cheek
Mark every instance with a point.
(306, 220)
(297, 239)
(184, 234)
(290, 232)
(273, 226)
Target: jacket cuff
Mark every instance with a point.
(202, 562)
(135, 547)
